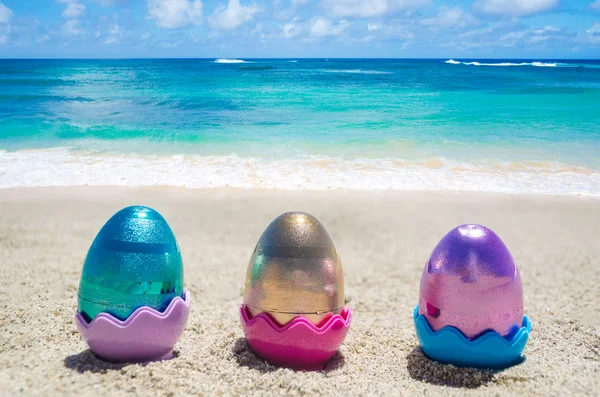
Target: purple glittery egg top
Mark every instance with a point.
(472, 283)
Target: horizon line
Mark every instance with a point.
(291, 58)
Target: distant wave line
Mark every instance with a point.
(226, 60)
(538, 64)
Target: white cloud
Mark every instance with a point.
(42, 38)
(72, 28)
(591, 35)
(257, 29)
(4, 32)
(74, 10)
(373, 26)
(595, 5)
(284, 14)
(368, 8)
(233, 16)
(146, 36)
(513, 36)
(321, 27)
(537, 39)
(398, 32)
(594, 29)
(546, 29)
(115, 34)
(514, 8)
(451, 17)
(289, 12)
(290, 30)
(5, 14)
(171, 45)
(503, 34)
(174, 14)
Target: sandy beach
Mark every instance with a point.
(384, 239)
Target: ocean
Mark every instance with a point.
(512, 126)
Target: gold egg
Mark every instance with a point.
(295, 270)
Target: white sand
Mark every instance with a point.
(384, 240)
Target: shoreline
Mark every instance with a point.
(63, 168)
(384, 239)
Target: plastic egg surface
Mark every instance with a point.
(472, 283)
(134, 261)
(295, 270)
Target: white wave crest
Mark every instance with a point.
(537, 64)
(542, 64)
(62, 167)
(225, 60)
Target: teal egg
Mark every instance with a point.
(133, 262)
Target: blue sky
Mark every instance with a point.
(300, 28)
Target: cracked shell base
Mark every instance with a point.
(489, 350)
(146, 335)
(299, 344)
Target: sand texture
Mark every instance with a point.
(384, 240)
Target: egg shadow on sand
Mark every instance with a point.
(424, 369)
(86, 361)
(245, 357)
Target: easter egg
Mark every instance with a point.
(472, 283)
(133, 262)
(295, 271)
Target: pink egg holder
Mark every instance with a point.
(146, 335)
(298, 344)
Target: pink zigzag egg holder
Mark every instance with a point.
(146, 335)
(298, 344)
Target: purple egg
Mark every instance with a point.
(471, 282)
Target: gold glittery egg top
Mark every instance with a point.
(295, 270)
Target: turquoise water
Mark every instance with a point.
(367, 124)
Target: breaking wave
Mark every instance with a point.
(225, 60)
(538, 64)
(64, 167)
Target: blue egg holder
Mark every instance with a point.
(489, 350)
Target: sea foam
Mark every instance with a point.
(63, 167)
(225, 60)
(475, 63)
